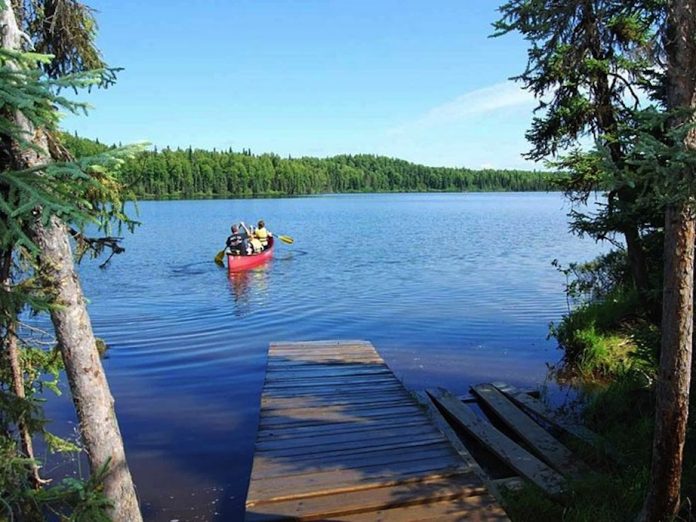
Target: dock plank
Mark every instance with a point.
(348, 479)
(270, 467)
(339, 437)
(471, 509)
(502, 446)
(356, 502)
(574, 429)
(542, 443)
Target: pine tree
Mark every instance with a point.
(677, 168)
(586, 62)
(38, 198)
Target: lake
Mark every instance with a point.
(452, 290)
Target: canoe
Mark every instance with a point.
(237, 263)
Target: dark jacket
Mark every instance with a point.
(237, 241)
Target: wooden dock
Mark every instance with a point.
(341, 439)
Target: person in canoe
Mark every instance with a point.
(261, 233)
(238, 241)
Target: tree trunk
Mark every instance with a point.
(662, 501)
(9, 343)
(607, 125)
(90, 391)
(672, 393)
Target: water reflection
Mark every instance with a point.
(248, 287)
(184, 346)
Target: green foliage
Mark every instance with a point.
(70, 500)
(80, 192)
(658, 159)
(76, 500)
(585, 60)
(596, 279)
(607, 333)
(207, 174)
(591, 64)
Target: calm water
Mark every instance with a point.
(451, 289)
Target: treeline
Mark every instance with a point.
(195, 173)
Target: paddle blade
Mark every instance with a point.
(286, 239)
(218, 258)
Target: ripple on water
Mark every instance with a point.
(452, 289)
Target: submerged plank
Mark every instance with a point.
(536, 407)
(442, 425)
(539, 440)
(499, 444)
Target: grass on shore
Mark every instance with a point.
(611, 355)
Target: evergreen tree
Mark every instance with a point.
(38, 198)
(587, 61)
(676, 171)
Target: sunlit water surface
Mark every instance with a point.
(452, 290)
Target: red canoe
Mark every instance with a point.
(237, 263)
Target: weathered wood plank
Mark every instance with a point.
(539, 440)
(345, 408)
(274, 403)
(470, 509)
(327, 453)
(316, 373)
(348, 349)
(361, 454)
(328, 391)
(330, 413)
(441, 424)
(393, 423)
(275, 345)
(278, 426)
(267, 467)
(495, 487)
(340, 437)
(337, 360)
(352, 502)
(385, 442)
(329, 482)
(334, 383)
(307, 351)
(335, 417)
(536, 407)
(314, 440)
(499, 444)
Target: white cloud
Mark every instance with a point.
(489, 99)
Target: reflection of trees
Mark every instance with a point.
(248, 287)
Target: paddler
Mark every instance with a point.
(237, 243)
(261, 233)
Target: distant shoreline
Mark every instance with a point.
(203, 197)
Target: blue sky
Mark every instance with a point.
(410, 79)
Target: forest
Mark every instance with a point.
(194, 173)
